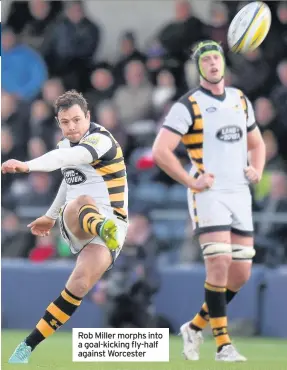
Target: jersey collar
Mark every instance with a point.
(220, 97)
(91, 129)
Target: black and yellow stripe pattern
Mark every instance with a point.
(215, 297)
(201, 319)
(113, 171)
(243, 103)
(193, 140)
(90, 219)
(56, 315)
(195, 211)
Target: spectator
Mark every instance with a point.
(41, 17)
(42, 122)
(103, 87)
(270, 234)
(179, 35)
(155, 60)
(279, 93)
(8, 151)
(70, 46)
(15, 116)
(51, 90)
(23, 70)
(38, 198)
(275, 44)
(45, 249)
(279, 98)
(19, 15)
(264, 113)
(134, 100)
(14, 242)
(107, 117)
(218, 28)
(128, 52)
(251, 73)
(273, 160)
(36, 147)
(164, 90)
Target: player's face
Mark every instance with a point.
(73, 123)
(212, 66)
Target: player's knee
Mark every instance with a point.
(217, 268)
(80, 284)
(242, 276)
(242, 253)
(82, 200)
(215, 249)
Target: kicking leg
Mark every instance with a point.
(91, 264)
(86, 221)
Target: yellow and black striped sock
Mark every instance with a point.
(201, 319)
(215, 298)
(90, 219)
(56, 315)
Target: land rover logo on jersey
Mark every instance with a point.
(229, 134)
(73, 176)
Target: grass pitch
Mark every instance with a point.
(56, 353)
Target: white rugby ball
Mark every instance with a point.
(249, 27)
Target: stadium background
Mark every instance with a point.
(131, 61)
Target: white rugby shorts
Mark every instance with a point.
(76, 245)
(215, 210)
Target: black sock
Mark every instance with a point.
(216, 301)
(201, 319)
(57, 313)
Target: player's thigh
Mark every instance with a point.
(209, 214)
(215, 237)
(242, 254)
(71, 216)
(242, 222)
(91, 264)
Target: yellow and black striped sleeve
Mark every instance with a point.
(179, 119)
(193, 140)
(249, 112)
(99, 145)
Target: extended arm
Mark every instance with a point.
(58, 158)
(89, 150)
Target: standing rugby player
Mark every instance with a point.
(91, 205)
(217, 126)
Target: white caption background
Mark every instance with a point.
(120, 345)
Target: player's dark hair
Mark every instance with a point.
(68, 99)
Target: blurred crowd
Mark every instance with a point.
(48, 47)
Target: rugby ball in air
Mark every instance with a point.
(249, 27)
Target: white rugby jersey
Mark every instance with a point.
(214, 131)
(105, 179)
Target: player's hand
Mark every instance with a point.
(14, 166)
(42, 226)
(203, 182)
(252, 175)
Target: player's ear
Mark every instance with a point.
(88, 115)
(56, 118)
